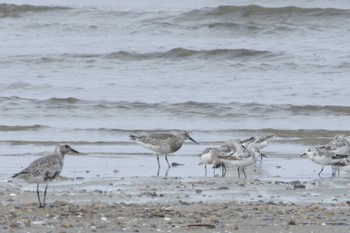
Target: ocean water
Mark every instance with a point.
(89, 73)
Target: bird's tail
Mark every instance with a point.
(22, 173)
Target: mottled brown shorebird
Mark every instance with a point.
(210, 154)
(162, 143)
(44, 170)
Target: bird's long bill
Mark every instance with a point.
(74, 151)
(192, 140)
(302, 155)
(263, 155)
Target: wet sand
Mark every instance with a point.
(62, 216)
(273, 198)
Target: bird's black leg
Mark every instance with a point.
(223, 169)
(158, 165)
(319, 174)
(38, 195)
(167, 172)
(245, 176)
(45, 194)
(205, 168)
(158, 161)
(335, 171)
(239, 174)
(166, 158)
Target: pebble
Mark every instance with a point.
(299, 186)
(198, 191)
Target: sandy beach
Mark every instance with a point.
(62, 216)
(92, 202)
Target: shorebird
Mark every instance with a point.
(45, 169)
(343, 164)
(339, 145)
(209, 155)
(323, 157)
(241, 158)
(162, 143)
(232, 145)
(257, 142)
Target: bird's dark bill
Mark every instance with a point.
(71, 149)
(192, 140)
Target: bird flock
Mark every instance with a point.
(235, 153)
(232, 153)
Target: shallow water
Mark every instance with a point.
(89, 73)
(134, 179)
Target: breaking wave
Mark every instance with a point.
(255, 10)
(192, 108)
(12, 10)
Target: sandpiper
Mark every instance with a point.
(241, 159)
(343, 164)
(257, 142)
(323, 157)
(339, 145)
(232, 145)
(46, 169)
(162, 143)
(209, 155)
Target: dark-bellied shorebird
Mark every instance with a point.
(46, 169)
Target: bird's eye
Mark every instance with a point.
(66, 146)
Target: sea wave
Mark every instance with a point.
(68, 100)
(183, 53)
(308, 136)
(8, 128)
(281, 133)
(230, 26)
(255, 10)
(13, 10)
(252, 19)
(189, 108)
(174, 54)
